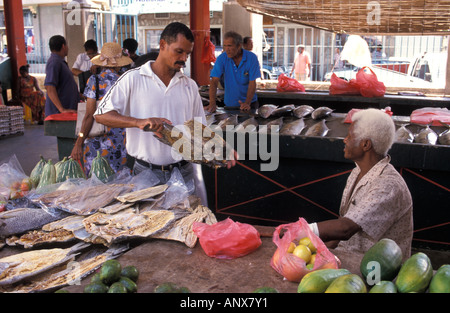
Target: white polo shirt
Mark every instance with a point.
(140, 93)
(83, 62)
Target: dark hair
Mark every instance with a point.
(130, 44)
(172, 30)
(24, 68)
(90, 44)
(246, 39)
(56, 42)
(237, 38)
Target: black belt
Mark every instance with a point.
(167, 167)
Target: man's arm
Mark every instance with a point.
(76, 71)
(337, 229)
(245, 106)
(116, 120)
(53, 95)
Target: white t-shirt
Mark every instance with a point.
(83, 63)
(140, 93)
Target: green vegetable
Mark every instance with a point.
(349, 283)
(131, 272)
(35, 175)
(96, 288)
(318, 281)
(129, 285)
(440, 283)
(117, 287)
(69, 169)
(110, 271)
(48, 175)
(415, 274)
(384, 286)
(100, 168)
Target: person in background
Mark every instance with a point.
(31, 95)
(376, 202)
(302, 65)
(378, 55)
(112, 144)
(62, 91)
(240, 69)
(338, 62)
(83, 62)
(248, 43)
(130, 46)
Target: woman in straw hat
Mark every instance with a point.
(111, 145)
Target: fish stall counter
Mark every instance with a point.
(281, 177)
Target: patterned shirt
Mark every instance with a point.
(381, 205)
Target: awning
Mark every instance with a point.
(413, 17)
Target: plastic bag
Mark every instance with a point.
(286, 84)
(340, 86)
(369, 85)
(208, 52)
(290, 266)
(431, 116)
(227, 239)
(349, 116)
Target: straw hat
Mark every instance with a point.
(111, 56)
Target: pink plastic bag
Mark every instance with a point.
(369, 85)
(431, 116)
(290, 266)
(227, 239)
(289, 84)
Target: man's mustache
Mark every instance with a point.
(182, 63)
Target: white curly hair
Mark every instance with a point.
(377, 126)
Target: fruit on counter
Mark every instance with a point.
(100, 168)
(20, 188)
(350, 283)
(266, 290)
(96, 287)
(69, 169)
(302, 252)
(110, 271)
(48, 175)
(117, 287)
(62, 291)
(129, 285)
(131, 272)
(36, 172)
(318, 281)
(440, 283)
(307, 242)
(291, 247)
(384, 286)
(170, 287)
(58, 166)
(109, 279)
(415, 274)
(389, 257)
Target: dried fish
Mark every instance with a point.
(21, 220)
(426, 136)
(17, 267)
(293, 128)
(39, 237)
(272, 126)
(319, 129)
(266, 110)
(249, 125)
(143, 194)
(302, 111)
(128, 224)
(284, 110)
(72, 274)
(321, 112)
(403, 134)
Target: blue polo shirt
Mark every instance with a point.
(58, 74)
(237, 78)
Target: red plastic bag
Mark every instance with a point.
(348, 117)
(431, 116)
(208, 51)
(369, 84)
(290, 266)
(340, 86)
(289, 84)
(227, 239)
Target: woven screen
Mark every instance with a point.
(360, 17)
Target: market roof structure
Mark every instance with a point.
(413, 17)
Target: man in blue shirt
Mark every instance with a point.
(62, 91)
(240, 69)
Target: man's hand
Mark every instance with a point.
(244, 106)
(153, 124)
(211, 108)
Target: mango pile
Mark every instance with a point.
(382, 272)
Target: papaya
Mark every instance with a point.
(387, 254)
(36, 172)
(110, 271)
(384, 286)
(69, 169)
(265, 290)
(131, 272)
(48, 175)
(350, 283)
(100, 168)
(415, 274)
(117, 287)
(440, 283)
(318, 281)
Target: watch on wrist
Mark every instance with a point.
(81, 135)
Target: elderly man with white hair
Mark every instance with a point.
(376, 202)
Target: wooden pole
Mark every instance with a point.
(200, 26)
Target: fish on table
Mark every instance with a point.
(271, 126)
(302, 111)
(319, 129)
(284, 110)
(249, 125)
(321, 112)
(293, 128)
(266, 110)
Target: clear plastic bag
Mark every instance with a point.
(227, 239)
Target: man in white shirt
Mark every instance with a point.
(150, 95)
(83, 62)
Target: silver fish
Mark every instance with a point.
(249, 125)
(319, 129)
(283, 110)
(302, 110)
(403, 134)
(426, 136)
(293, 128)
(210, 119)
(266, 110)
(231, 120)
(321, 112)
(272, 126)
(21, 220)
(444, 137)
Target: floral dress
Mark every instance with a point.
(112, 144)
(32, 98)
